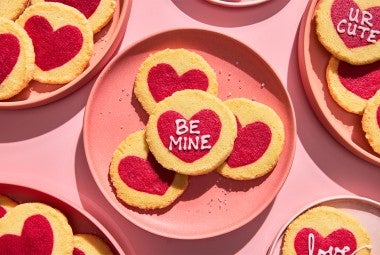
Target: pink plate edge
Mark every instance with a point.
(237, 3)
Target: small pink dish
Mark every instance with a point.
(345, 127)
(237, 3)
(106, 43)
(365, 210)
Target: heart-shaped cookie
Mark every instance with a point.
(6, 204)
(12, 9)
(371, 122)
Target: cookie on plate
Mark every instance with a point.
(259, 142)
(350, 29)
(62, 39)
(11, 9)
(371, 122)
(88, 244)
(326, 230)
(139, 180)
(191, 132)
(98, 12)
(16, 59)
(6, 204)
(171, 70)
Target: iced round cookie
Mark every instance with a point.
(5, 205)
(191, 132)
(326, 230)
(88, 244)
(16, 59)
(351, 86)
(35, 228)
(371, 122)
(62, 39)
(11, 9)
(350, 29)
(98, 12)
(259, 142)
(139, 180)
(171, 70)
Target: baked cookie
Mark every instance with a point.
(139, 180)
(16, 59)
(62, 39)
(351, 86)
(171, 70)
(350, 29)
(259, 141)
(5, 205)
(326, 230)
(191, 132)
(11, 9)
(35, 228)
(98, 12)
(88, 244)
(371, 122)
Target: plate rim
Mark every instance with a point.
(237, 4)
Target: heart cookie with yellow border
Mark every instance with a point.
(5, 205)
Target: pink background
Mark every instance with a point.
(42, 147)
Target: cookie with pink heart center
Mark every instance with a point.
(371, 122)
(12, 9)
(6, 204)
(88, 244)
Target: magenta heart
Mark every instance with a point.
(163, 81)
(363, 81)
(53, 48)
(78, 252)
(340, 15)
(378, 116)
(87, 7)
(208, 125)
(36, 238)
(145, 175)
(337, 239)
(2, 211)
(9, 52)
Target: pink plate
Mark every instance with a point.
(237, 3)
(345, 127)
(212, 205)
(80, 221)
(106, 43)
(365, 210)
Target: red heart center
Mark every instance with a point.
(250, 144)
(192, 139)
(87, 7)
(53, 48)
(36, 238)
(9, 52)
(363, 81)
(2, 211)
(78, 252)
(378, 116)
(355, 27)
(309, 242)
(145, 175)
(163, 81)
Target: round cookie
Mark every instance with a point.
(16, 59)
(88, 244)
(11, 9)
(5, 205)
(191, 132)
(171, 70)
(371, 122)
(62, 39)
(139, 180)
(323, 229)
(350, 29)
(98, 12)
(35, 228)
(259, 141)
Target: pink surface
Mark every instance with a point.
(43, 147)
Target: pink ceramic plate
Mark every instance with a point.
(212, 205)
(237, 3)
(365, 210)
(106, 44)
(313, 59)
(79, 220)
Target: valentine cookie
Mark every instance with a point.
(62, 39)
(88, 244)
(35, 228)
(191, 132)
(139, 180)
(259, 141)
(16, 59)
(5, 205)
(11, 9)
(350, 29)
(371, 122)
(98, 12)
(326, 230)
(171, 70)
